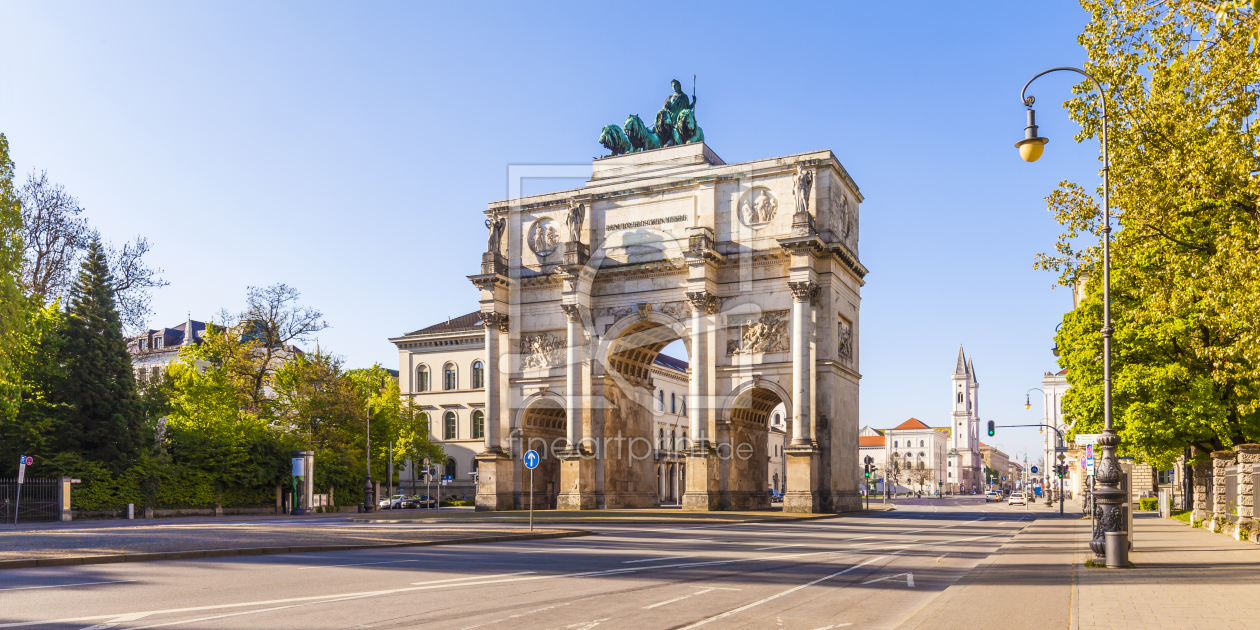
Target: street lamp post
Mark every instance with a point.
(1110, 541)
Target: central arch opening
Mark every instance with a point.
(543, 427)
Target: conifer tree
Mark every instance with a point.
(103, 418)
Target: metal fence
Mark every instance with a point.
(40, 501)
(1231, 494)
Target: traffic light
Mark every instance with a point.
(866, 471)
(990, 428)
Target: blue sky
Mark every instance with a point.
(349, 150)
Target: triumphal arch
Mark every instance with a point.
(754, 266)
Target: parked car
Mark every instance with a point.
(418, 501)
(1017, 499)
(384, 503)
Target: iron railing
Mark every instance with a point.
(40, 501)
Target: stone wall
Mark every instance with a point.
(1202, 509)
(1220, 461)
(1142, 483)
(1248, 456)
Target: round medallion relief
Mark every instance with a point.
(543, 238)
(758, 207)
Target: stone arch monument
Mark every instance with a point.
(754, 266)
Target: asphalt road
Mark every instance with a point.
(870, 571)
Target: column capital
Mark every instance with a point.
(703, 301)
(496, 320)
(572, 312)
(805, 291)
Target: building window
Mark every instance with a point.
(894, 444)
(450, 468)
(682, 401)
(422, 379)
(478, 375)
(673, 404)
(478, 425)
(448, 377)
(673, 440)
(920, 445)
(660, 400)
(684, 443)
(144, 343)
(660, 439)
(157, 342)
(1167, 476)
(448, 426)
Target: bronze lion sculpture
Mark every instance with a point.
(637, 133)
(686, 130)
(614, 140)
(664, 128)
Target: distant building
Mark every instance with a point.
(153, 351)
(777, 473)
(1000, 462)
(669, 376)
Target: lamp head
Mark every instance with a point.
(1027, 402)
(1032, 145)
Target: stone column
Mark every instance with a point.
(573, 376)
(802, 325)
(1248, 456)
(1220, 461)
(702, 492)
(494, 466)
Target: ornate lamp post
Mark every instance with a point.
(1109, 540)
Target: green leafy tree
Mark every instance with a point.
(102, 418)
(1185, 283)
(13, 301)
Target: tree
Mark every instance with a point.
(1185, 283)
(13, 302)
(271, 322)
(54, 233)
(102, 419)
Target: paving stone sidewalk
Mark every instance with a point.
(1183, 578)
(166, 538)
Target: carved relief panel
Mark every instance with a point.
(543, 237)
(758, 333)
(543, 350)
(844, 337)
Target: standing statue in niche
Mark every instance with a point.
(802, 182)
(495, 241)
(577, 216)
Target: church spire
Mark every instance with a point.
(960, 366)
(971, 371)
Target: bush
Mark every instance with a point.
(1149, 504)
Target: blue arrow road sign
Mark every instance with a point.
(1034, 469)
(1003, 478)
(531, 459)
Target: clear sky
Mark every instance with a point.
(349, 150)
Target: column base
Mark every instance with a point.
(702, 493)
(494, 482)
(577, 480)
(802, 480)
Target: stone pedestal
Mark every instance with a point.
(493, 263)
(1202, 508)
(577, 480)
(1248, 456)
(1220, 461)
(802, 480)
(703, 491)
(494, 482)
(575, 255)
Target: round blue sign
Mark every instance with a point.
(531, 459)
(1034, 469)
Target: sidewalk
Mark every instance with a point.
(1182, 578)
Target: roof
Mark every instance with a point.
(971, 371)
(471, 321)
(983, 445)
(912, 423)
(1062, 372)
(671, 362)
(870, 440)
(960, 366)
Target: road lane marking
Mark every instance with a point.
(778, 595)
(778, 547)
(657, 559)
(418, 586)
(358, 564)
(27, 588)
(909, 579)
(678, 599)
(516, 616)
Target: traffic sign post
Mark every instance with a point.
(531, 462)
(17, 505)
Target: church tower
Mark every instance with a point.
(964, 441)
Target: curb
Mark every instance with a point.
(617, 521)
(268, 551)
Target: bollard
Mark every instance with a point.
(131, 511)
(1116, 549)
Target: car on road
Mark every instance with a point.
(1017, 499)
(990, 495)
(384, 503)
(413, 502)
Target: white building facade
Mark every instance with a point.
(965, 470)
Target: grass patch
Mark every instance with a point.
(1181, 515)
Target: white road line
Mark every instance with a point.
(657, 559)
(836, 625)
(419, 586)
(516, 616)
(677, 599)
(778, 595)
(778, 547)
(358, 564)
(27, 588)
(909, 579)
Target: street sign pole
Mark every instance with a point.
(531, 462)
(17, 506)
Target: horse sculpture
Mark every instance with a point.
(686, 130)
(637, 133)
(614, 140)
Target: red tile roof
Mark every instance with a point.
(1061, 372)
(912, 423)
(870, 440)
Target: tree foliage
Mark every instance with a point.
(1185, 279)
